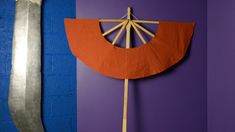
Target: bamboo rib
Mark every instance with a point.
(113, 29)
(134, 16)
(138, 33)
(111, 20)
(146, 22)
(143, 29)
(119, 33)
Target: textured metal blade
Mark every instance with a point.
(25, 82)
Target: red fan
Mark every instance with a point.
(167, 47)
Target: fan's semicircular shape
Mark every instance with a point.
(167, 47)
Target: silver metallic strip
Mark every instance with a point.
(25, 82)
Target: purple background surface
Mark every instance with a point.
(174, 101)
(221, 64)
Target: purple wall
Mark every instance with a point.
(221, 64)
(171, 102)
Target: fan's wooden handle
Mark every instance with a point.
(125, 104)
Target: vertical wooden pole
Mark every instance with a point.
(125, 104)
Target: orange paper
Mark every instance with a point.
(165, 49)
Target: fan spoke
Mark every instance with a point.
(112, 20)
(119, 33)
(146, 22)
(143, 29)
(113, 29)
(138, 33)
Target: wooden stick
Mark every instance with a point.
(119, 33)
(128, 28)
(125, 105)
(124, 121)
(143, 29)
(111, 20)
(146, 22)
(113, 29)
(138, 33)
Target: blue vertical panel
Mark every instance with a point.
(7, 11)
(58, 67)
